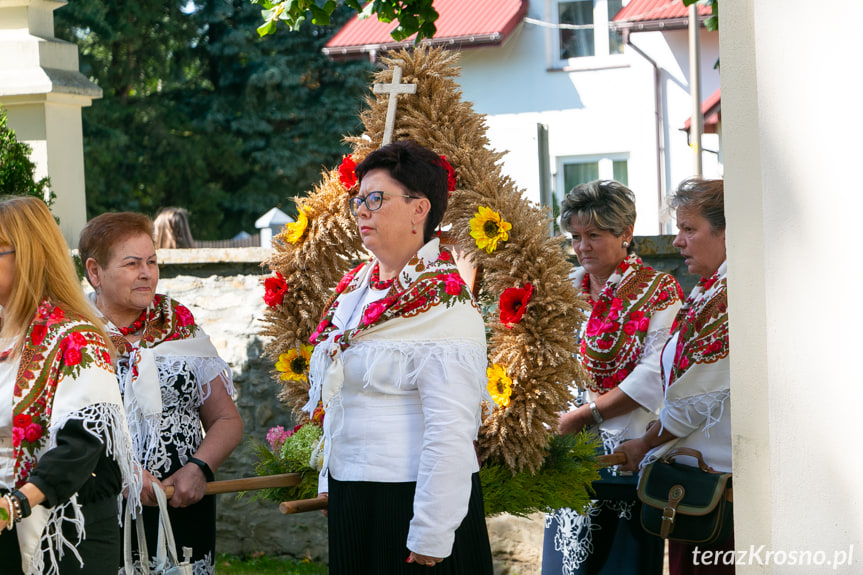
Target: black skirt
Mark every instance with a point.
(368, 531)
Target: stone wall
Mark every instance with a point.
(224, 290)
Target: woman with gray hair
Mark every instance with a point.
(633, 308)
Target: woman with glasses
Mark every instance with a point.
(65, 451)
(399, 368)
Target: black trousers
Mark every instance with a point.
(368, 531)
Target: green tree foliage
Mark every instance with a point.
(414, 16)
(198, 112)
(712, 21)
(17, 171)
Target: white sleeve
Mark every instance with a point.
(644, 383)
(450, 395)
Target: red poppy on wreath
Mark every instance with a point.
(450, 179)
(513, 303)
(274, 290)
(347, 172)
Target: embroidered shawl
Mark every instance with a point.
(616, 333)
(169, 331)
(702, 324)
(64, 373)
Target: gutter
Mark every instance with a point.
(454, 42)
(657, 98)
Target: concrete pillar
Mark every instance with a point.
(793, 205)
(43, 92)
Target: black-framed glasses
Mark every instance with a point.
(373, 201)
(7, 253)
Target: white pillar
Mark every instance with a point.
(793, 206)
(43, 92)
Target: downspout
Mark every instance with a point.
(657, 99)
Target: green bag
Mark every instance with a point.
(685, 503)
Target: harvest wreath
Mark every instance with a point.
(531, 308)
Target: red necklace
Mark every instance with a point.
(136, 325)
(585, 286)
(375, 280)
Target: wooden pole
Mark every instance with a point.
(303, 505)
(246, 484)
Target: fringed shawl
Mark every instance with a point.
(64, 373)
(169, 331)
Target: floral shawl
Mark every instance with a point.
(616, 333)
(417, 307)
(169, 331)
(64, 373)
(703, 326)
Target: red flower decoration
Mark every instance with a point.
(22, 420)
(452, 283)
(375, 310)
(37, 336)
(347, 279)
(445, 256)
(513, 303)
(450, 180)
(347, 172)
(184, 316)
(72, 356)
(275, 289)
(33, 432)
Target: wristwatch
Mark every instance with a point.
(208, 473)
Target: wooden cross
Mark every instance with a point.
(393, 89)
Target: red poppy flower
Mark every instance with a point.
(450, 180)
(347, 172)
(275, 289)
(513, 303)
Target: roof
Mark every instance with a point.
(460, 24)
(657, 15)
(711, 109)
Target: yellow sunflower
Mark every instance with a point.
(488, 228)
(499, 384)
(294, 232)
(295, 364)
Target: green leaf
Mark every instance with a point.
(267, 27)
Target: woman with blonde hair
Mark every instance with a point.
(65, 451)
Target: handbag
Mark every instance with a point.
(683, 503)
(166, 549)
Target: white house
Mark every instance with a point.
(575, 90)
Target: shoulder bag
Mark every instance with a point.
(166, 549)
(685, 503)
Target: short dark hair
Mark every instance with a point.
(418, 169)
(704, 197)
(103, 232)
(607, 204)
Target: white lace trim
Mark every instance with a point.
(654, 341)
(711, 405)
(573, 537)
(107, 422)
(205, 566)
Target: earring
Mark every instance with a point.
(626, 244)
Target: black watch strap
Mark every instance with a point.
(208, 473)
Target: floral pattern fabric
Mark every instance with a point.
(615, 335)
(702, 324)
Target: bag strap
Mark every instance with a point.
(166, 533)
(143, 553)
(669, 457)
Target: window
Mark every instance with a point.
(576, 171)
(584, 28)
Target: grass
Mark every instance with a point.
(264, 565)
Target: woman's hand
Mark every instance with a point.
(426, 560)
(147, 495)
(635, 450)
(189, 485)
(571, 421)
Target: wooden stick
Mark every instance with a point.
(303, 505)
(246, 484)
(611, 460)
